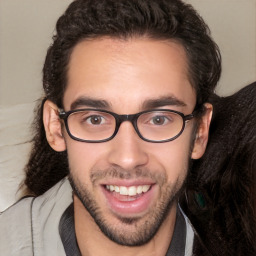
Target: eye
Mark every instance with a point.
(95, 120)
(159, 120)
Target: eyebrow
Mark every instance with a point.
(147, 104)
(89, 102)
(163, 101)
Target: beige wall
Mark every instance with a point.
(26, 27)
(233, 26)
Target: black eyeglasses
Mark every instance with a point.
(94, 125)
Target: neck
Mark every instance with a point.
(92, 241)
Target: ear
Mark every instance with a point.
(202, 133)
(52, 126)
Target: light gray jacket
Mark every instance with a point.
(31, 226)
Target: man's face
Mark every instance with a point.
(127, 77)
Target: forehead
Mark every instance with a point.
(124, 71)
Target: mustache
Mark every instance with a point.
(120, 173)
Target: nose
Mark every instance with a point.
(127, 150)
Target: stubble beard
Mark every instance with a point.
(146, 227)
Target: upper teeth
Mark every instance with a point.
(128, 191)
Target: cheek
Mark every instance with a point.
(82, 157)
(174, 158)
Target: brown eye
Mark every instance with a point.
(159, 120)
(95, 120)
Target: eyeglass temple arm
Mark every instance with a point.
(198, 111)
(62, 113)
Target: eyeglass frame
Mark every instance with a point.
(131, 118)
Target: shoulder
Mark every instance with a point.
(46, 214)
(59, 196)
(15, 225)
(194, 244)
(29, 223)
(189, 235)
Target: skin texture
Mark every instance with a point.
(125, 76)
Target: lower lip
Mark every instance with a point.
(135, 206)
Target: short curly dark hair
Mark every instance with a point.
(87, 19)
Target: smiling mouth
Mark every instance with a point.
(130, 200)
(131, 191)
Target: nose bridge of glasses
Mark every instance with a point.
(126, 117)
(130, 118)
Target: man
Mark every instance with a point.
(126, 87)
